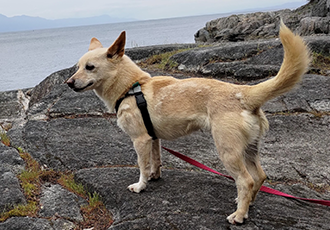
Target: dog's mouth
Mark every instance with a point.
(82, 89)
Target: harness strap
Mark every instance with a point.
(142, 105)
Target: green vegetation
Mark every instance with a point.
(68, 182)
(30, 209)
(31, 184)
(31, 179)
(4, 138)
(94, 200)
(162, 61)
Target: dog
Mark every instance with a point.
(179, 107)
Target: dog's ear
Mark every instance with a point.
(95, 43)
(118, 47)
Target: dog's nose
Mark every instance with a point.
(70, 83)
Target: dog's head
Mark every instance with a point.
(97, 65)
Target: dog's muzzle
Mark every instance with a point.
(71, 84)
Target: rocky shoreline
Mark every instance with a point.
(69, 132)
(310, 19)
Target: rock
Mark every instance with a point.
(50, 84)
(244, 61)
(321, 8)
(202, 36)
(241, 27)
(10, 158)
(286, 155)
(64, 130)
(52, 95)
(140, 53)
(191, 200)
(10, 190)
(57, 202)
(13, 105)
(70, 144)
(311, 95)
(313, 18)
(28, 223)
(314, 25)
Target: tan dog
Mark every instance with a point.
(178, 107)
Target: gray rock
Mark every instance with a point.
(191, 200)
(50, 84)
(26, 223)
(140, 53)
(56, 201)
(319, 44)
(314, 25)
(10, 190)
(9, 157)
(51, 99)
(242, 27)
(62, 224)
(13, 106)
(312, 18)
(69, 144)
(321, 8)
(296, 149)
(244, 61)
(311, 95)
(202, 36)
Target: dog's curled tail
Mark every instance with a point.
(295, 64)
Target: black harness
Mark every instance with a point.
(142, 105)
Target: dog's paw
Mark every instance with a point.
(154, 175)
(237, 218)
(137, 187)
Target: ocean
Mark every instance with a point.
(28, 57)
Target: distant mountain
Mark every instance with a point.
(19, 23)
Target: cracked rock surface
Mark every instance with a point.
(64, 130)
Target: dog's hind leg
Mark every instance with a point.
(143, 148)
(252, 161)
(155, 160)
(230, 143)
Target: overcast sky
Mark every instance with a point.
(138, 9)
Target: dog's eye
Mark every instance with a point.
(90, 67)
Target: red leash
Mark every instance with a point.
(263, 188)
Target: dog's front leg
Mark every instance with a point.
(143, 148)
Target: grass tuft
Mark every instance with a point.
(5, 139)
(68, 182)
(30, 183)
(162, 61)
(30, 209)
(94, 200)
(95, 214)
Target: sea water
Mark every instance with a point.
(28, 57)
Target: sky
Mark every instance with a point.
(137, 9)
